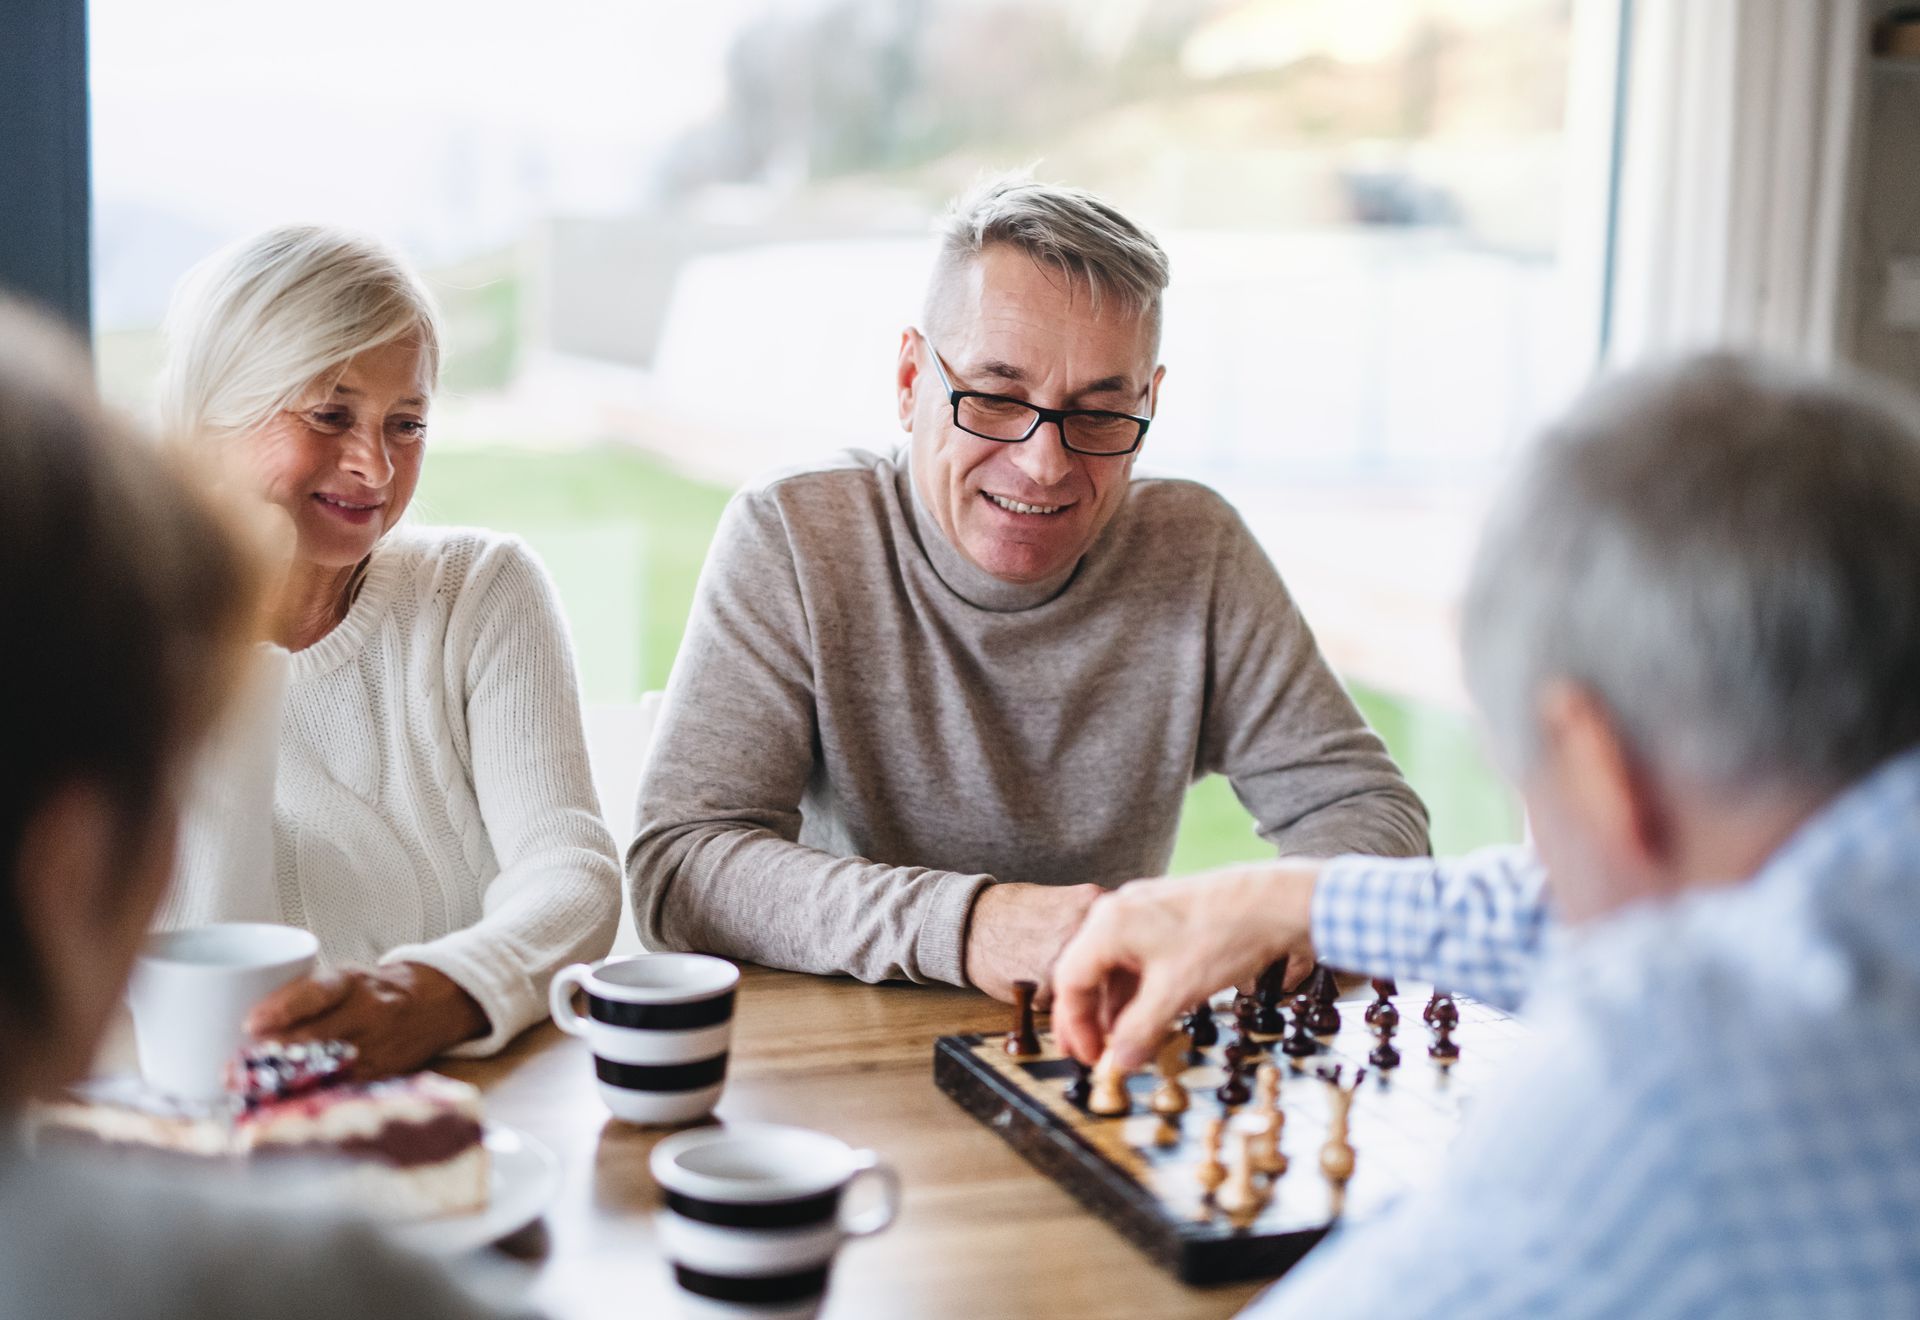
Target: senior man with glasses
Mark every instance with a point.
(931, 703)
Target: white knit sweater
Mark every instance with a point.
(414, 787)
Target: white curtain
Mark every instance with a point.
(1737, 154)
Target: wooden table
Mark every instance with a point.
(980, 1236)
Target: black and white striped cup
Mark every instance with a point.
(658, 1025)
(754, 1214)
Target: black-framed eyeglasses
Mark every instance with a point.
(1091, 431)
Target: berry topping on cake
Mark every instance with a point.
(272, 1071)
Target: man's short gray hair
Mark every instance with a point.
(1724, 552)
(1068, 229)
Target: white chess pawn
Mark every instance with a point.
(1271, 1161)
(1211, 1172)
(1109, 1098)
(1170, 1097)
(1242, 1197)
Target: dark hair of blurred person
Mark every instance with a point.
(128, 599)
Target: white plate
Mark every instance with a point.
(522, 1182)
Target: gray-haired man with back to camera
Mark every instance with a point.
(1694, 631)
(931, 702)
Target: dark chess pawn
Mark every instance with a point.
(1445, 1013)
(1383, 992)
(1270, 992)
(1235, 1091)
(1322, 990)
(1202, 1031)
(1080, 1089)
(1300, 1042)
(1443, 1051)
(1384, 1057)
(1023, 1042)
(1245, 1010)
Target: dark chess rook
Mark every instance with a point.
(1146, 1171)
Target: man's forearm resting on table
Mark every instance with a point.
(1472, 924)
(752, 894)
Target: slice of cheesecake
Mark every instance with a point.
(405, 1148)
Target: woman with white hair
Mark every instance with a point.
(411, 781)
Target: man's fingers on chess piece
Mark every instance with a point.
(1145, 1023)
(1185, 937)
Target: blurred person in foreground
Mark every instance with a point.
(930, 701)
(409, 780)
(128, 605)
(1693, 629)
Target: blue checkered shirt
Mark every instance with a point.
(1718, 1113)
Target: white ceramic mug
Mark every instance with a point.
(658, 1025)
(754, 1214)
(191, 991)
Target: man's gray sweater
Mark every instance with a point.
(863, 729)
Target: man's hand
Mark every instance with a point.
(398, 1016)
(1016, 932)
(1152, 949)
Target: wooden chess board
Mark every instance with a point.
(1400, 1126)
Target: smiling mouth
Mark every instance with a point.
(334, 501)
(1015, 506)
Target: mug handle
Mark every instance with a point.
(560, 998)
(865, 1163)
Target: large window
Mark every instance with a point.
(652, 224)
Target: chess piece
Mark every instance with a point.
(1080, 1089)
(1323, 1018)
(1242, 1198)
(1023, 1042)
(1270, 992)
(1384, 1056)
(1170, 1097)
(1445, 1013)
(1268, 1157)
(1233, 1091)
(1109, 1098)
(1211, 1172)
(1246, 1012)
(1337, 1155)
(1443, 1051)
(1300, 1042)
(1383, 992)
(1201, 1029)
(1266, 1087)
(1433, 1002)
(1166, 1133)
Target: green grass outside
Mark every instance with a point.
(624, 537)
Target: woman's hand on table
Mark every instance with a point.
(1152, 949)
(399, 1016)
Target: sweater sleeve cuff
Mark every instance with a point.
(1367, 914)
(502, 990)
(939, 950)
